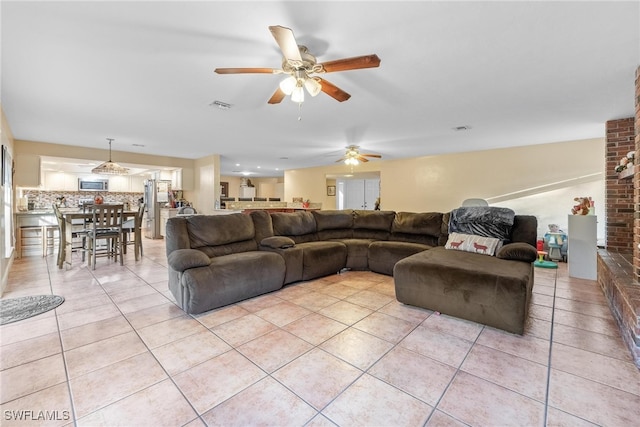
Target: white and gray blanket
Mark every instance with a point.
(487, 221)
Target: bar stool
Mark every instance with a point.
(26, 239)
(50, 234)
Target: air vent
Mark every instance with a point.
(461, 128)
(221, 105)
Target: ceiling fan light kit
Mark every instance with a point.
(300, 65)
(110, 168)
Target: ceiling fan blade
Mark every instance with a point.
(247, 71)
(362, 159)
(366, 61)
(333, 91)
(277, 97)
(287, 42)
(377, 156)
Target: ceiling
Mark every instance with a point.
(512, 73)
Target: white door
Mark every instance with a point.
(361, 193)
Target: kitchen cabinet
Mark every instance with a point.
(27, 167)
(165, 214)
(60, 181)
(119, 184)
(137, 183)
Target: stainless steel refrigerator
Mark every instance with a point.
(156, 194)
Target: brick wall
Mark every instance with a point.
(636, 184)
(619, 193)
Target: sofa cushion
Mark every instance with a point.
(372, 224)
(277, 242)
(300, 226)
(333, 219)
(322, 258)
(487, 221)
(518, 252)
(215, 230)
(422, 228)
(471, 243)
(383, 255)
(183, 259)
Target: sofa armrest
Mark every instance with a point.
(277, 242)
(518, 252)
(184, 259)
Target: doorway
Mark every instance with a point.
(358, 192)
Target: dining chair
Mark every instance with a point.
(78, 237)
(107, 226)
(133, 225)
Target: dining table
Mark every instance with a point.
(71, 214)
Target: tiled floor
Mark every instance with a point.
(336, 351)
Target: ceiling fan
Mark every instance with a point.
(301, 66)
(353, 156)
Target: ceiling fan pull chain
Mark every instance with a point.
(299, 111)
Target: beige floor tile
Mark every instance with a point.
(356, 347)
(345, 312)
(55, 400)
(185, 353)
(92, 332)
(370, 401)
(512, 372)
(541, 299)
(460, 328)
(90, 357)
(320, 421)
(527, 347)
(88, 315)
(95, 298)
(105, 386)
(537, 328)
(314, 301)
(338, 290)
(592, 401)
(606, 370)
(440, 419)
(274, 349)
(409, 313)
(317, 377)
(596, 310)
(123, 294)
(293, 291)
(544, 289)
(369, 299)
(244, 329)
(558, 418)
(417, 375)
(170, 330)
(541, 312)
(386, 288)
(437, 345)
(29, 350)
(142, 302)
(261, 302)
(315, 328)
(216, 380)
(586, 322)
(142, 409)
(475, 401)
(213, 318)
(592, 296)
(247, 408)
(606, 345)
(386, 327)
(282, 313)
(30, 377)
(155, 314)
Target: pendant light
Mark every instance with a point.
(110, 168)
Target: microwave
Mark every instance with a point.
(93, 184)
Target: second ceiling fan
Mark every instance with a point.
(302, 68)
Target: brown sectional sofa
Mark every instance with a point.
(221, 259)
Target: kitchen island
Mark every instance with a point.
(250, 206)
